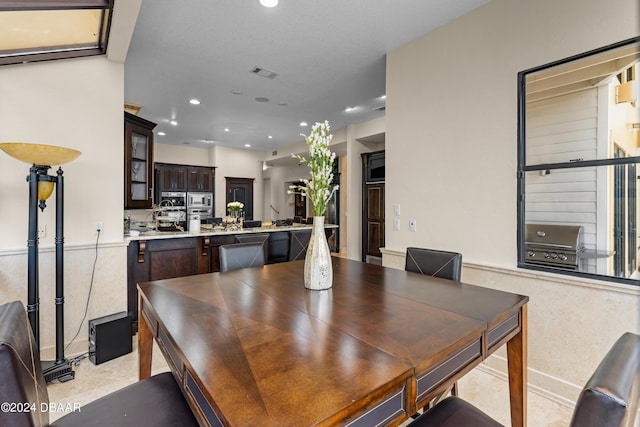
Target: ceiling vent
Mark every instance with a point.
(263, 72)
(274, 153)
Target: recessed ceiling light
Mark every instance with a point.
(194, 101)
(348, 109)
(207, 141)
(262, 99)
(383, 97)
(161, 133)
(226, 129)
(303, 124)
(236, 92)
(282, 104)
(247, 145)
(269, 3)
(270, 137)
(173, 122)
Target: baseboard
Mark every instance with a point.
(538, 382)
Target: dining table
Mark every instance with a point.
(254, 347)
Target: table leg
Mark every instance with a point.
(517, 362)
(145, 346)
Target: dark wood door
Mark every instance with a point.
(241, 190)
(374, 214)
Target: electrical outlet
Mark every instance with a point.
(412, 225)
(99, 227)
(42, 231)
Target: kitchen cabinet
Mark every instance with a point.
(172, 177)
(138, 161)
(201, 179)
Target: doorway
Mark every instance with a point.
(241, 190)
(373, 207)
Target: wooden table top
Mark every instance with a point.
(265, 351)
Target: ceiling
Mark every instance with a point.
(328, 55)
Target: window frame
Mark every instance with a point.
(523, 168)
(43, 5)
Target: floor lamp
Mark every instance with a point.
(41, 185)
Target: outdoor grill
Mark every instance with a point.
(553, 245)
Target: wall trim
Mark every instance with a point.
(622, 288)
(67, 247)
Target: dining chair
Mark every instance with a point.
(155, 401)
(262, 238)
(610, 397)
(447, 265)
(298, 242)
(436, 263)
(241, 255)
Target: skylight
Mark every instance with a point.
(44, 30)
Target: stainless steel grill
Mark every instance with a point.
(553, 245)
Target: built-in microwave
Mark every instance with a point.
(199, 200)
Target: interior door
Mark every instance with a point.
(241, 190)
(374, 218)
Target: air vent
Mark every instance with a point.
(263, 72)
(274, 153)
(383, 108)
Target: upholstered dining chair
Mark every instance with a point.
(262, 238)
(298, 242)
(436, 263)
(241, 255)
(610, 397)
(155, 401)
(447, 265)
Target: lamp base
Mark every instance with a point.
(61, 371)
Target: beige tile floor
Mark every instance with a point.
(489, 393)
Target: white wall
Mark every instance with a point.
(451, 165)
(238, 163)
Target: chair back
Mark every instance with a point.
(241, 255)
(262, 238)
(22, 379)
(610, 397)
(447, 265)
(298, 243)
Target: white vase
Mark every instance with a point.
(318, 272)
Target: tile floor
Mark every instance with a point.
(489, 393)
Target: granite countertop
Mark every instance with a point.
(153, 235)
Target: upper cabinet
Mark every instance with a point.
(201, 179)
(183, 178)
(171, 178)
(138, 162)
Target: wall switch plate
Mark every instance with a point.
(396, 224)
(412, 225)
(396, 209)
(42, 231)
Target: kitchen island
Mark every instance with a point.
(156, 255)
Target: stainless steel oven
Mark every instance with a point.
(199, 200)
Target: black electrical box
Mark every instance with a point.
(110, 337)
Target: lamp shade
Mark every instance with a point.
(39, 154)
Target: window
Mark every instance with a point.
(43, 30)
(578, 150)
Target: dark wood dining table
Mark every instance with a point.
(253, 347)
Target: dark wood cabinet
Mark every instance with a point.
(172, 177)
(200, 179)
(138, 162)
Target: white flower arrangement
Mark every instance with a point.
(318, 189)
(235, 206)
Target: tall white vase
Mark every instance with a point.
(318, 272)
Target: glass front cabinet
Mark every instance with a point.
(138, 162)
